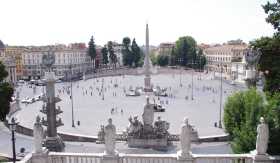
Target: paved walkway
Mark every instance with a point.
(92, 111)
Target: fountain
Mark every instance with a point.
(148, 134)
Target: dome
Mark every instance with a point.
(2, 46)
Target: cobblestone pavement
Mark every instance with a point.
(92, 111)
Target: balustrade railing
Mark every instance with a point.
(62, 157)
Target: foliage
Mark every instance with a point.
(162, 60)
(241, 116)
(153, 58)
(91, 48)
(241, 113)
(269, 61)
(185, 50)
(273, 119)
(112, 55)
(136, 52)
(104, 52)
(273, 11)
(6, 92)
(132, 54)
(127, 55)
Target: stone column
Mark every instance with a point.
(185, 155)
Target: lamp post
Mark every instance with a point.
(180, 60)
(13, 125)
(72, 105)
(221, 97)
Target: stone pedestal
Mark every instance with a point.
(41, 157)
(55, 144)
(159, 144)
(147, 82)
(110, 158)
(261, 159)
(184, 157)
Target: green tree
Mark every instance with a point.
(162, 60)
(273, 11)
(136, 52)
(185, 50)
(153, 58)
(273, 119)
(270, 61)
(92, 49)
(6, 92)
(172, 57)
(112, 55)
(126, 52)
(104, 52)
(269, 46)
(241, 116)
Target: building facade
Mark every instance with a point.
(9, 63)
(72, 59)
(220, 57)
(165, 48)
(16, 52)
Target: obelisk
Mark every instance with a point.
(147, 65)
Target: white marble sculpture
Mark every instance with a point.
(38, 133)
(110, 136)
(148, 114)
(262, 137)
(185, 140)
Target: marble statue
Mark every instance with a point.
(185, 139)
(38, 133)
(148, 114)
(134, 125)
(262, 137)
(110, 135)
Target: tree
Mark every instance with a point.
(136, 52)
(112, 55)
(162, 60)
(104, 52)
(269, 46)
(273, 119)
(6, 92)
(270, 61)
(241, 116)
(92, 49)
(127, 55)
(273, 11)
(185, 50)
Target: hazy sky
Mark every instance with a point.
(38, 22)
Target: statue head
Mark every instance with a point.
(110, 121)
(135, 117)
(38, 119)
(262, 120)
(186, 121)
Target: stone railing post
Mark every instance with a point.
(185, 155)
(40, 154)
(110, 154)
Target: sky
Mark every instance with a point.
(43, 22)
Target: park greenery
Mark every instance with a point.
(131, 52)
(112, 55)
(105, 59)
(243, 109)
(185, 53)
(6, 92)
(92, 49)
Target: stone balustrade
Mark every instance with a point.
(62, 157)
